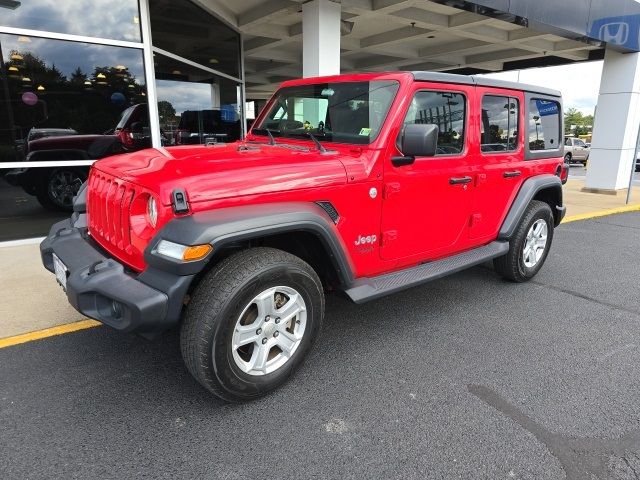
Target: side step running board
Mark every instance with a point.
(365, 289)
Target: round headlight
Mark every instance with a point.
(152, 211)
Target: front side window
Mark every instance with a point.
(346, 112)
(499, 124)
(447, 111)
(544, 124)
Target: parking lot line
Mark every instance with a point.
(602, 213)
(48, 332)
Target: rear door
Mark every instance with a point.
(426, 204)
(501, 168)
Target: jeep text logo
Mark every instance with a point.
(364, 240)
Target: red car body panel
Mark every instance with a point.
(413, 211)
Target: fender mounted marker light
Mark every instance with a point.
(186, 253)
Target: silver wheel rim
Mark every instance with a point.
(535, 243)
(63, 186)
(269, 330)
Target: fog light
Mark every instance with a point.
(187, 253)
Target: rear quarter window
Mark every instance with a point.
(544, 137)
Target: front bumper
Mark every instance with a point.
(101, 288)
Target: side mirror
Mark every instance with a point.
(416, 140)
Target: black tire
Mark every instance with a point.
(567, 158)
(215, 308)
(512, 265)
(57, 189)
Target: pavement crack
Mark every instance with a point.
(628, 464)
(580, 458)
(587, 297)
(617, 225)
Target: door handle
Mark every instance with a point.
(515, 173)
(458, 180)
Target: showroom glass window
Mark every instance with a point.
(94, 18)
(499, 124)
(447, 111)
(197, 65)
(62, 101)
(544, 124)
(188, 31)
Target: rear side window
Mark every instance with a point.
(499, 124)
(447, 111)
(544, 124)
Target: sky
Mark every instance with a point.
(578, 82)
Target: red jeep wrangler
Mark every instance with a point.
(365, 184)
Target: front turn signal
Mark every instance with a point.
(196, 252)
(185, 253)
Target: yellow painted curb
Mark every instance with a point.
(48, 332)
(602, 213)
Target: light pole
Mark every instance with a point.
(535, 119)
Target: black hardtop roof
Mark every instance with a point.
(482, 81)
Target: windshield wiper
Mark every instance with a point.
(272, 140)
(317, 142)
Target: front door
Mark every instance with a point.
(426, 204)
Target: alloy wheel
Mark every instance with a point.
(269, 330)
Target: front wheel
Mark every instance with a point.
(530, 244)
(250, 323)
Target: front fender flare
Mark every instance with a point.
(224, 226)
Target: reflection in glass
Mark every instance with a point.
(65, 101)
(544, 124)
(93, 18)
(21, 216)
(499, 124)
(447, 111)
(195, 106)
(182, 28)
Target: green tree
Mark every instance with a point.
(166, 111)
(574, 117)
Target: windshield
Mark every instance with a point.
(345, 112)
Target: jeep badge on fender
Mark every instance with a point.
(238, 244)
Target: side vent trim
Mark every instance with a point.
(330, 209)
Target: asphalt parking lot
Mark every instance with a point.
(469, 377)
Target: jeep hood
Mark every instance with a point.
(223, 171)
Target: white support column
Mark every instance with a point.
(616, 124)
(320, 38)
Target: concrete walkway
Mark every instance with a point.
(30, 298)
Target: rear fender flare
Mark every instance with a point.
(530, 188)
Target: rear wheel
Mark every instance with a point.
(529, 246)
(567, 158)
(250, 323)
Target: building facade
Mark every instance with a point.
(87, 79)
